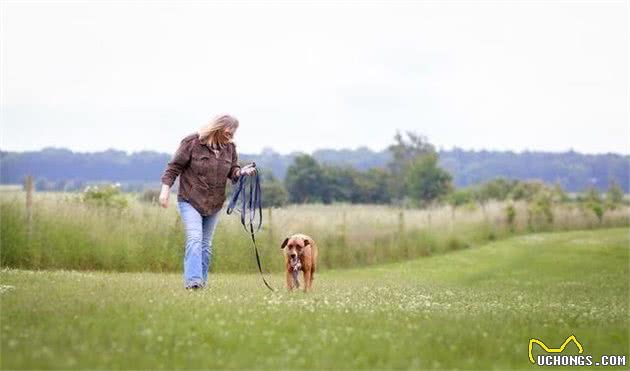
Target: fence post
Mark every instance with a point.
(401, 240)
(401, 223)
(343, 229)
(269, 222)
(29, 207)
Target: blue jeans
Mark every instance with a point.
(198, 255)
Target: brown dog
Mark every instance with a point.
(300, 254)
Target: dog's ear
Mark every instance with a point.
(306, 243)
(284, 243)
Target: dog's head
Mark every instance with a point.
(294, 246)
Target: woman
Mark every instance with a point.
(204, 162)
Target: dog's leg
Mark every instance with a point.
(307, 278)
(289, 280)
(312, 275)
(307, 266)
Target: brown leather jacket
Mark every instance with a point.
(202, 173)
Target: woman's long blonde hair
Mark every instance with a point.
(213, 132)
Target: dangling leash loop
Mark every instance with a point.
(251, 204)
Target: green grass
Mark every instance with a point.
(470, 309)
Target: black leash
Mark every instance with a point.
(250, 205)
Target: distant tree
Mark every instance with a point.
(305, 180)
(614, 197)
(458, 198)
(539, 211)
(558, 194)
(403, 152)
(593, 201)
(526, 190)
(498, 189)
(41, 184)
(482, 199)
(573, 170)
(274, 192)
(425, 181)
(592, 195)
(339, 184)
(372, 187)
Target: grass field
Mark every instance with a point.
(470, 309)
(65, 233)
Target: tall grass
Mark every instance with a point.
(68, 234)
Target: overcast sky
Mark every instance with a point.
(530, 75)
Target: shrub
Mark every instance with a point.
(150, 196)
(510, 212)
(598, 210)
(539, 211)
(108, 195)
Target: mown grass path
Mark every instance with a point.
(472, 309)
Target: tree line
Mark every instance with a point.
(413, 177)
(64, 170)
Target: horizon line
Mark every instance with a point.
(292, 153)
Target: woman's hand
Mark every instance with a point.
(248, 171)
(164, 193)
